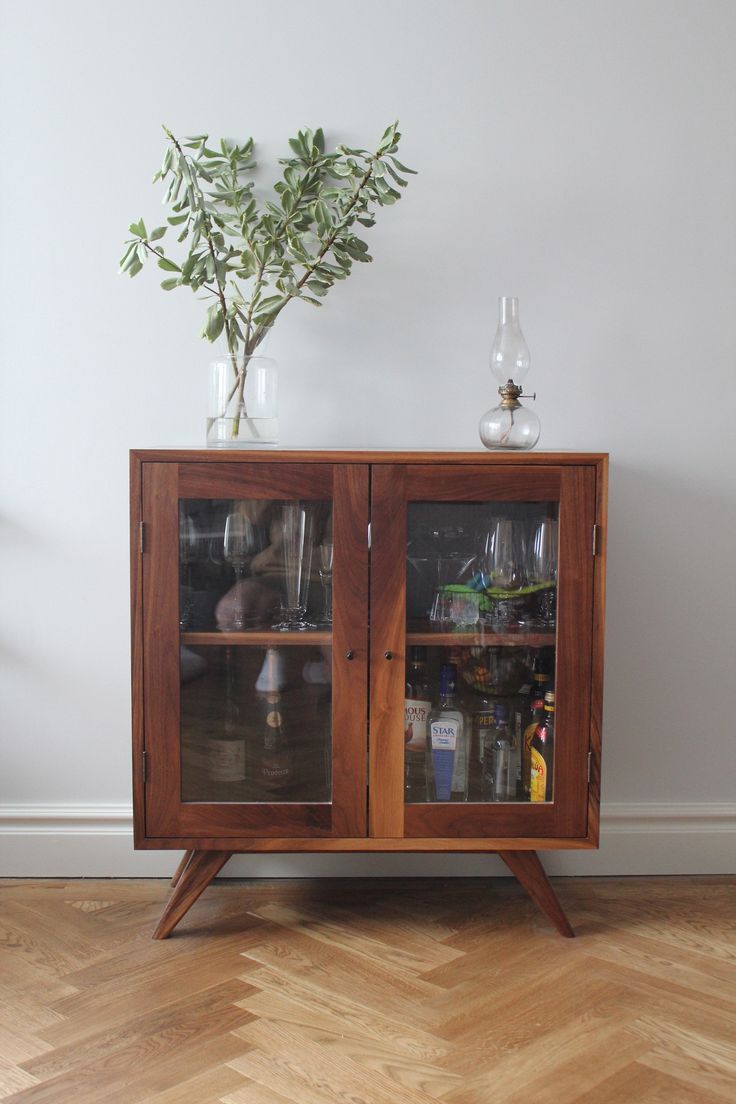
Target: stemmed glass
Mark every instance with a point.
(241, 542)
(297, 541)
(189, 542)
(326, 553)
(505, 562)
(542, 569)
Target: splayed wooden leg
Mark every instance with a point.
(181, 867)
(529, 872)
(202, 867)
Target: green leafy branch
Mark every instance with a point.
(248, 261)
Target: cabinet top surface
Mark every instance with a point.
(364, 456)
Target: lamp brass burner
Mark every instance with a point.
(510, 394)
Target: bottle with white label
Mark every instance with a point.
(448, 738)
(271, 764)
(417, 707)
(504, 776)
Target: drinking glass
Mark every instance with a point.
(505, 566)
(326, 552)
(241, 542)
(297, 542)
(542, 569)
(454, 605)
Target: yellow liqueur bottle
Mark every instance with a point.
(542, 753)
(536, 704)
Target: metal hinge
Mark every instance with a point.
(596, 539)
(590, 765)
(144, 759)
(142, 531)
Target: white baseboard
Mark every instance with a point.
(95, 841)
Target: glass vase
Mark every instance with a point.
(243, 401)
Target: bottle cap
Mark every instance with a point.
(549, 697)
(272, 676)
(448, 679)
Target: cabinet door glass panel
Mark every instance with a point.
(481, 646)
(255, 565)
(255, 724)
(255, 618)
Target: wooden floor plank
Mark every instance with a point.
(379, 991)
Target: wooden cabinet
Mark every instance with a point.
(277, 599)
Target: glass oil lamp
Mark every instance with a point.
(509, 425)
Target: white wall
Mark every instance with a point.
(577, 154)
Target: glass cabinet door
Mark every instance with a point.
(252, 605)
(487, 619)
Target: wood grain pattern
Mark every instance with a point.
(481, 639)
(257, 639)
(301, 844)
(529, 872)
(425, 991)
(482, 483)
(160, 631)
(199, 871)
(350, 638)
(176, 876)
(388, 656)
(227, 480)
(167, 814)
(136, 649)
(578, 481)
(599, 621)
(481, 457)
(574, 650)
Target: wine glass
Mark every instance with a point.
(505, 565)
(326, 554)
(241, 541)
(542, 568)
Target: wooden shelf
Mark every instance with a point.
(482, 639)
(259, 639)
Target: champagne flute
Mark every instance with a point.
(326, 553)
(297, 543)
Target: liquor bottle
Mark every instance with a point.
(272, 765)
(448, 737)
(482, 723)
(499, 783)
(536, 706)
(417, 707)
(515, 789)
(542, 753)
(226, 744)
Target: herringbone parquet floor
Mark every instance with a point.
(369, 992)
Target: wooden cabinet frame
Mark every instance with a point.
(365, 487)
